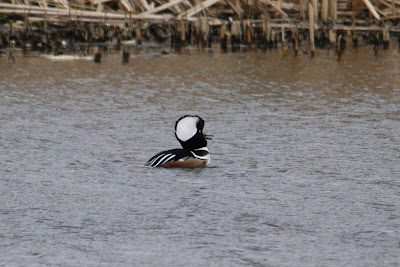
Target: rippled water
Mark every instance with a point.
(305, 161)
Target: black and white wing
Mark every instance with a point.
(168, 156)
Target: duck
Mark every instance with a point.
(194, 152)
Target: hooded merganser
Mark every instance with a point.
(189, 132)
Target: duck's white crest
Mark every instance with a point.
(186, 128)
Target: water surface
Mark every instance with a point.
(305, 161)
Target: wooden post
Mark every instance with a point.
(284, 45)
(333, 9)
(324, 10)
(247, 31)
(97, 55)
(332, 38)
(295, 36)
(236, 34)
(223, 30)
(182, 31)
(125, 54)
(240, 28)
(375, 43)
(353, 25)
(273, 38)
(138, 35)
(267, 30)
(315, 6)
(204, 29)
(386, 36)
(223, 37)
(209, 36)
(233, 37)
(233, 28)
(170, 33)
(338, 55)
(303, 9)
(195, 31)
(189, 33)
(45, 21)
(311, 20)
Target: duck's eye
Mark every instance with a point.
(199, 131)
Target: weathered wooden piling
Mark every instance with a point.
(248, 32)
(311, 19)
(332, 37)
(267, 33)
(340, 45)
(204, 32)
(125, 55)
(138, 35)
(375, 43)
(182, 32)
(295, 37)
(97, 57)
(385, 37)
(324, 10)
(284, 43)
(235, 35)
(223, 37)
(355, 40)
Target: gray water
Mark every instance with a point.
(305, 162)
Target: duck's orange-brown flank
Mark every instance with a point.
(190, 163)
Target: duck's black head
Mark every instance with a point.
(189, 132)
